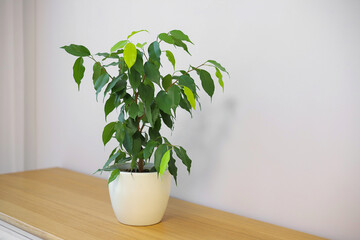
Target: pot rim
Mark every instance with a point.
(139, 173)
(147, 166)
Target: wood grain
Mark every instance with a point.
(61, 204)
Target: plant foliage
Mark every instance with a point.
(146, 98)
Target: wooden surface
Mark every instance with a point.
(62, 204)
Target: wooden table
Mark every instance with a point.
(61, 204)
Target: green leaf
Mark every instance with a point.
(181, 44)
(133, 164)
(113, 151)
(159, 153)
(171, 57)
(114, 175)
(164, 101)
(120, 85)
(164, 161)
(155, 135)
(134, 79)
(181, 153)
(112, 158)
(139, 66)
(155, 111)
(77, 50)
(131, 126)
(190, 97)
(154, 51)
(119, 45)
(128, 142)
(108, 132)
(100, 82)
(148, 114)
(122, 65)
(172, 168)
(112, 64)
(148, 82)
(218, 65)
(115, 166)
(174, 92)
(152, 72)
(141, 45)
(141, 109)
(121, 117)
(119, 132)
(127, 99)
(135, 32)
(180, 35)
(78, 71)
(121, 157)
(104, 54)
(97, 71)
(166, 81)
(136, 144)
(130, 54)
(109, 105)
(146, 93)
(133, 110)
(114, 55)
(206, 81)
(219, 76)
(112, 84)
(166, 119)
(154, 131)
(149, 148)
(184, 104)
(187, 81)
(166, 38)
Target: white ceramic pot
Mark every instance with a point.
(140, 199)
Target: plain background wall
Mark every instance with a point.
(280, 145)
(12, 85)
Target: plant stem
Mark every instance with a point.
(141, 165)
(186, 72)
(91, 57)
(147, 59)
(142, 127)
(140, 161)
(171, 85)
(195, 67)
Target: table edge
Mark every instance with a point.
(27, 227)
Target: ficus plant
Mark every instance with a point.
(146, 98)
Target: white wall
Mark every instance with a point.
(17, 86)
(280, 145)
(11, 87)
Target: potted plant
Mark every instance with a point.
(146, 99)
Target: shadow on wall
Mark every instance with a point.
(206, 135)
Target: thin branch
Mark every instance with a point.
(91, 57)
(136, 96)
(142, 127)
(145, 54)
(195, 68)
(186, 72)
(141, 117)
(171, 85)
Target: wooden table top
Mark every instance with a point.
(61, 204)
